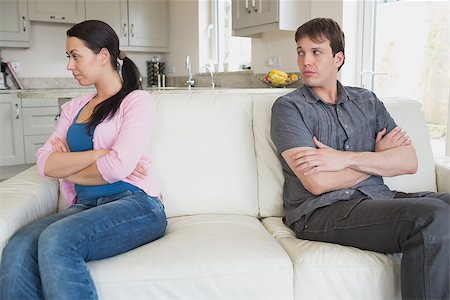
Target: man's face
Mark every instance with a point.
(316, 62)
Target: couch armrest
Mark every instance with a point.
(443, 174)
(25, 198)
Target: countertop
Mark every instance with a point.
(75, 92)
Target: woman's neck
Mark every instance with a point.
(108, 86)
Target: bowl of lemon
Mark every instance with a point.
(278, 78)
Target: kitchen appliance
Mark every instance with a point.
(156, 76)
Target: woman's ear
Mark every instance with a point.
(104, 56)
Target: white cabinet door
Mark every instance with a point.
(14, 24)
(148, 23)
(58, 11)
(242, 14)
(11, 132)
(113, 12)
(140, 24)
(265, 11)
(32, 144)
(268, 16)
(39, 120)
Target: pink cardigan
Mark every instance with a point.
(126, 134)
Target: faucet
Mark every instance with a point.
(190, 82)
(208, 68)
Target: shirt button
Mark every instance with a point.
(345, 125)
(347, 146)
(347, 192)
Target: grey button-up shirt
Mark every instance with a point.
(349, 125)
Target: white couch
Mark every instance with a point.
(222, 187)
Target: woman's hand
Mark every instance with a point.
(60, 145)
(140, 172)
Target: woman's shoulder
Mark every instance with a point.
(138, 97)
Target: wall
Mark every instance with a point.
(282, 43)
(46, 56)
(187, 36)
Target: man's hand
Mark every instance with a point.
(395, 138)
(323, 159)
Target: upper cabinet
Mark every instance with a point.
(14, 24)
(58, 11)
(140, 24)
(253, 17)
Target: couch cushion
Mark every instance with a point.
(407, 114)
(203, 153)
(330, 271)
(200, 257)
(270, 174)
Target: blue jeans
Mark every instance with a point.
(47, 259)
(416, 224)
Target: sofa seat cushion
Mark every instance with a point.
(330, 271)
(200, 257)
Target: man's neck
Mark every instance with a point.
(327, 93)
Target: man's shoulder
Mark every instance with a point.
(293, 98)
(361, 94)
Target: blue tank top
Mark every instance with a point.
(78, 139)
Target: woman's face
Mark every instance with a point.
(85, 65)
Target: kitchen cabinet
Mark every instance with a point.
(14, 24)
(39, 119)
(60, 11)
(11, 131)
(140, 25)
(254, 17)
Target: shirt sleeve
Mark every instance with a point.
(132, 140)
(64, 122)
(288, 128)
(384, 119)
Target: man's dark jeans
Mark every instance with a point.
(416, 224)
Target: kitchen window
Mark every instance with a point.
(227, 52)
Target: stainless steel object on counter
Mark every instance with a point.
(3, 82)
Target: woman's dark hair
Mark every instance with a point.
(320, 28)
(97, 35)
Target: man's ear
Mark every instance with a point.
(104, 56)
(339, 59)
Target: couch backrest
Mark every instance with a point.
(203, 153)
(407, 114)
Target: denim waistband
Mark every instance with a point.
(107, 198)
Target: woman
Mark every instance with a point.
(99, 149)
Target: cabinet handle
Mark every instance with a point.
(17, 112)
(125, 30)
(57, 17)
(254, 6)
(132, 30)
(23, 23)
(246, 7)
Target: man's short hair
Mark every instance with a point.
(323, 28)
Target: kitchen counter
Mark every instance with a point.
(75, 92)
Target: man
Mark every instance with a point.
(335, 143)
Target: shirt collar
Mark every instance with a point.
(342, 94)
